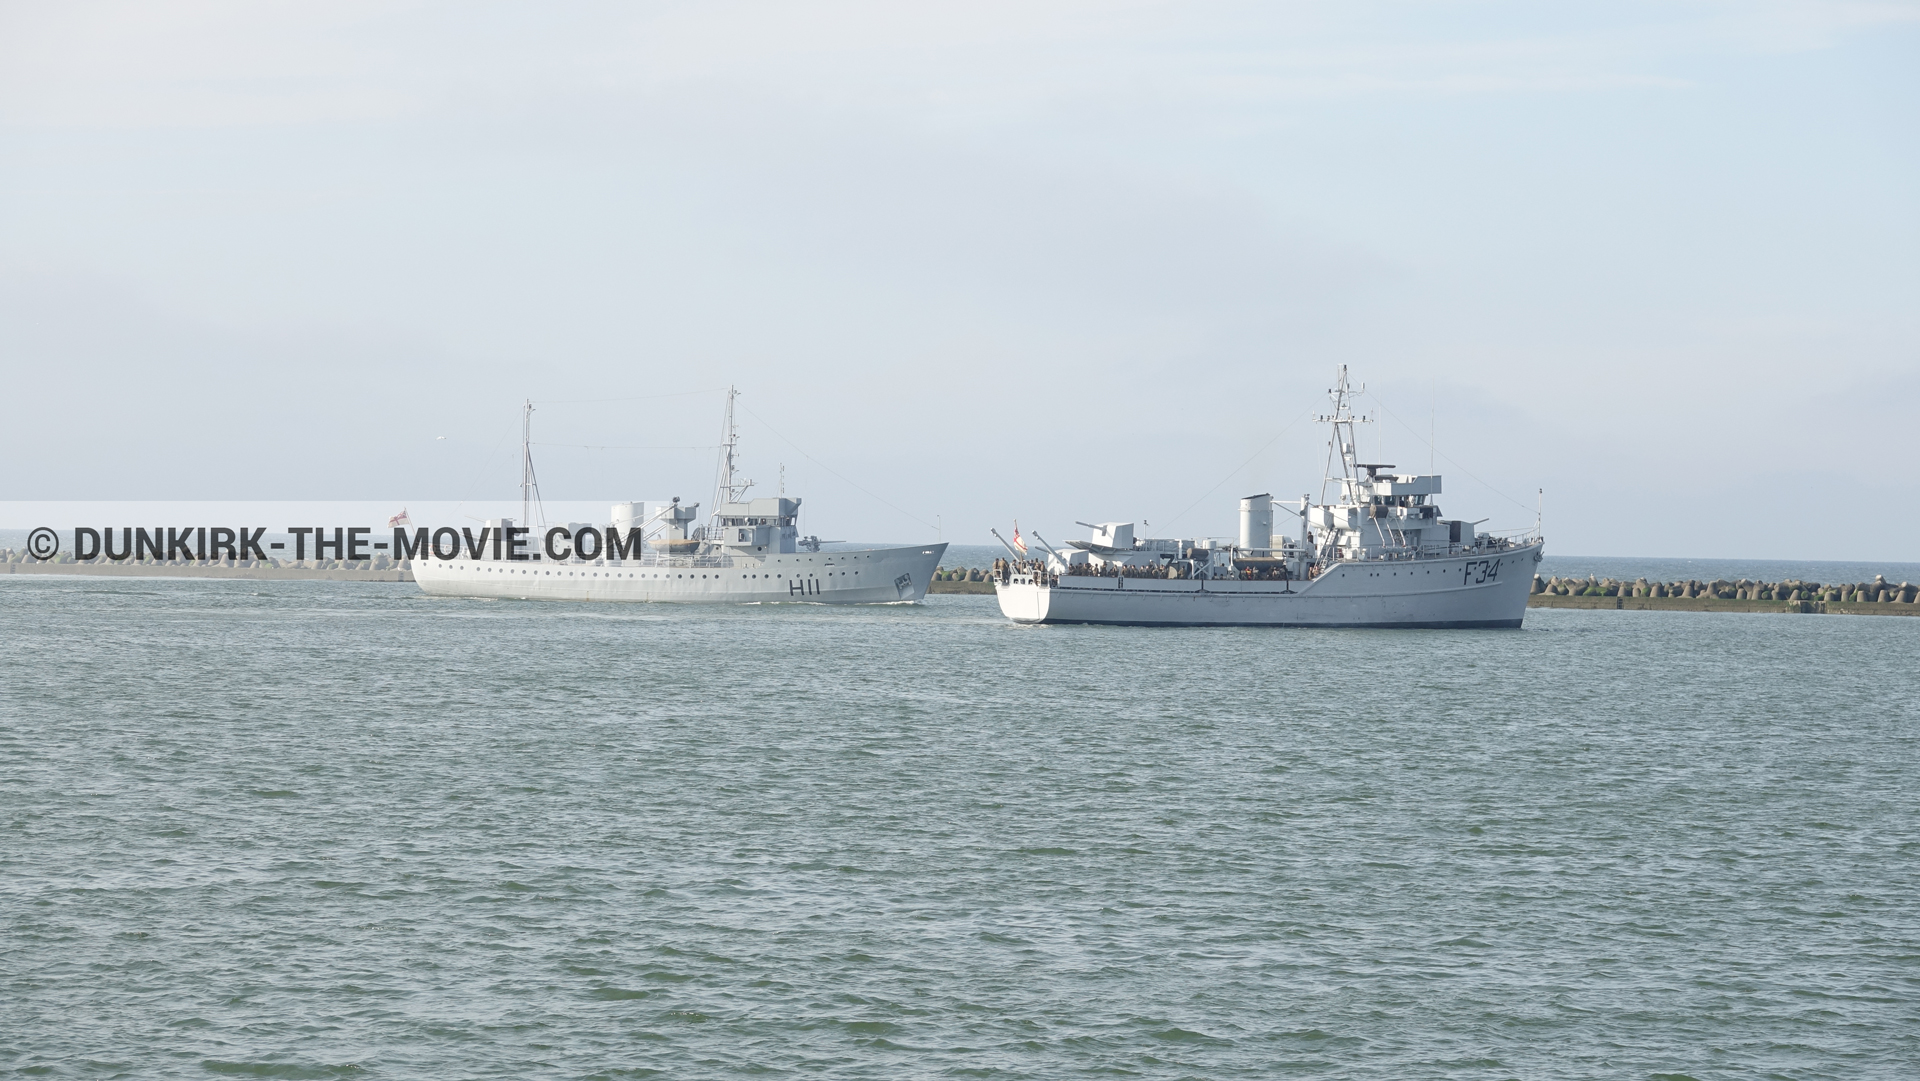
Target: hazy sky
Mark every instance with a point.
(985, 261)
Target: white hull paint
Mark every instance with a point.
(1486, 589)
(869, 576)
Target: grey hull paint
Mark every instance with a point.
(1477, 590)
(897, 575)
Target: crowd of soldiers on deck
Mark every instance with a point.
(1266, 571)
(1006, 570)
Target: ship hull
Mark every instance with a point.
(870, 576)
(1484, 590)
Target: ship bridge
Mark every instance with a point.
(758, 526)
(1389, 512)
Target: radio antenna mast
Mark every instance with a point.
(1341, 443)
(729, 490)
(529, 485)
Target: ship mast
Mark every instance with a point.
(729, 490)
(529, 485)
(1341, 442)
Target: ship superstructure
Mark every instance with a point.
(748, 551)
(1380, 554)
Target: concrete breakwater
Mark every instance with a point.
(960, 580)
(379, 569)
(1878, 597)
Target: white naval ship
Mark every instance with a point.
(1382, 556)
(749, 552)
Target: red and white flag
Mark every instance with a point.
(399, 519)
(1017, 542)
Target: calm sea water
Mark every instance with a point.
(324, 830)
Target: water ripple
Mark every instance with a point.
(327, 830)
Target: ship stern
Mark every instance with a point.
(1022, 601)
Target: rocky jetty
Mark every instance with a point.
(1878, 597)
(961, 580)
(377, 563)
(379, 569)
(1878, 591)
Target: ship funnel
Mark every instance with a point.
(628, 516)
(1256, 521)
